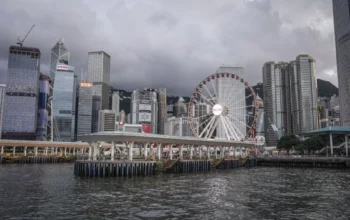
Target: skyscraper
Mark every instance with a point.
(341, 14)
(273, 102)
(307, 94)
(99, 74)
(2, 99)
(162, 110)
(290, 98)
(84, 108)
(64, 103)
(116, 102)
(44, 90)
(21, 100)
(144, 108)
(59, 54)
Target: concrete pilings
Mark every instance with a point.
(114, 168)
(189, 166)
(305, 162)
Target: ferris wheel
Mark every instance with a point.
(223, 106)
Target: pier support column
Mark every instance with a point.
(82, 151)
(74, 151)
(65, 151)
(191, 152)
(95, 150)
(331, 142)
(181, 152)
(216, 152)
(208, 152)
(112, 150)
(200, 152)
(46, 150)
(2, 149)
(159, 151)
(90, 150)
(146, 151)
(346, 145)
(131, 147)
(36, 151)
(170, 152)
(25, 151)
(14, 150)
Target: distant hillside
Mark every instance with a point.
(326, 89)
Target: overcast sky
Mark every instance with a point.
(174, 43)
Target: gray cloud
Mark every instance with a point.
(175, 44)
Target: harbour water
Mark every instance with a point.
(51, 191)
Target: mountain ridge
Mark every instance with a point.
(324, 88)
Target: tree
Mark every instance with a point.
(314, 143)
(300, 147)
(287, 142)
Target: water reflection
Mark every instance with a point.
(53, 192)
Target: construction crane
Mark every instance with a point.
(20, 42)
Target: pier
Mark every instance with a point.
(305, 162)
(20, 151)
(137, 154)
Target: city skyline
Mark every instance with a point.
(190, 48)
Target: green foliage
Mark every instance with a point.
(288, 142)
(310, 145)
(300, 148)
(314, 143)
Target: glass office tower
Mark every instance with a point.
(63, 103)
(21, 99)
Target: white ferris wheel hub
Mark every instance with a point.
(217, 109)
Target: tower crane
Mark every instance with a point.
(19, 41)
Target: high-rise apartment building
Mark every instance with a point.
(21, 99)
(274, 108)
(144, 108)
(107, 120)
(162, 110)
(2, 99)
(84, 108)
(64, 103)
(99, 74)
(44, 91)
(307, 94)
(290, 98)
(341, 14)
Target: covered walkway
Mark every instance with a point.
(331, 131)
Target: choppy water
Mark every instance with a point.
(53, 192)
